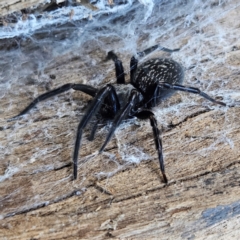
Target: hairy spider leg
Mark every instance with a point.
(122, 114)
(144, 114)
(134, 60)
(133, 68)
(93, 132)
(155, 47)
(190, 90)
(79, 87)
(120, 75)
(152, 101)
(94, 106)
(158, 144)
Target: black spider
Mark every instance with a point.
(152, 81)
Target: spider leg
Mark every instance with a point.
(133, 99)
(143, 114)
(190, 90)
(133, 68)
(154, 98)
(79, 87)
(94, 129)
(92, 110)
(120, 75)
(155, 47)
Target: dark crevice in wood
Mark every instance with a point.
(172, 126)
(74, 193)
(102, 189)
(63, 166)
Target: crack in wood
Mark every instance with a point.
(172, 126)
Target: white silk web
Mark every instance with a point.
(42, 50)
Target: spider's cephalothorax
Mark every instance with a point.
(151, 82)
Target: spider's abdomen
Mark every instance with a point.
(156, 71)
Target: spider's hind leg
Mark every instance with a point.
(190, 90)
(144, 114)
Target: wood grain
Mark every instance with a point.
(113, 198)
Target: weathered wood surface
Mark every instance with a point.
(10, 6)
(7, 6)
(201, 201)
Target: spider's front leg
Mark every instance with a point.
(79, 87)
(106, 92)
(133, 100)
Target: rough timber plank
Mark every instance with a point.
(201, 200)
(7, 7)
